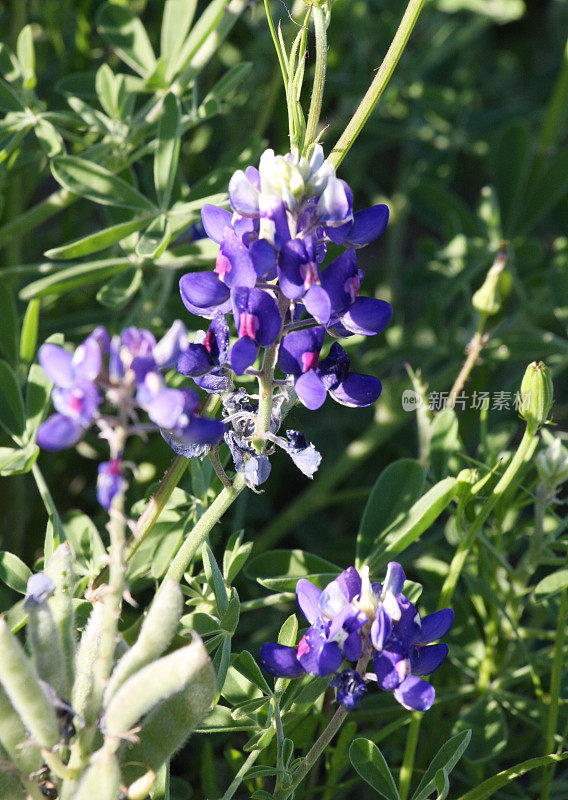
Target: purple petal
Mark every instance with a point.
(204, 294)
(243, 355)
(339, 233)
(273, 210)
(350, 583)
(335, 203)
(341, 281)
(58, 432)
(391, 666)
(307, 596)
(263, 259)
(435, 626)
(381, 629)
(57, 364)
(138, 341)
(195, 361)
(80, 402)
(368, 225)
(243, 195)
(335, 368)
(101, 336)
(357, 390)
(109, 482)
(280, 661)
(407, 627)
(215, 221)
(39, 588)
(350, 688)
(265, 308)
(87, 361)
(290, 279)
(367, 316)
(171, 345)
(238, 269)
(253, 176)
(166, 408)
(318, 304)
(353, 646)
(218, 342)
(201, 430)
(214, 382)
(415, 694)
(257, 470)
(395, 578)
(317, 655)
(295, 345)
(310, 390)
(426, 660)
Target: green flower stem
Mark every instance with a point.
(39, 213)
(555, 685)
(319, 75)
(407, 767)
(190, 547)
(266, 383)
(238, 779)
(522, 456)
(379, 83)
(48, 502)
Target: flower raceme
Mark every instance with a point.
(354, 620)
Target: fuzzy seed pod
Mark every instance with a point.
(157, 632)
(20, 682)
(10, 785)
(166, 728)
(14, 738)
(102, 778)
(60, 570)
(87, 654)
(537, 395)
(154, 683)
(43, 643)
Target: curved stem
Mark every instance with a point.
(407, 767)
(379, 83)
(319, 76)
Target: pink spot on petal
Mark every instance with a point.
(222, 265)
(76, 403)
(208, 341)
(309, 361)
(303, 647)
(309, 273)
(248, 325)
(352, 286)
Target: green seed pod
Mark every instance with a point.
(60, 570)
(157, 632)
(537, 396)
(14, 738)
(166, 728)
(154, 683)
(10, 785)
(43, 643)
(20, 683)
(490, 296)
(87, 654)
(102, 778)
(140, 789)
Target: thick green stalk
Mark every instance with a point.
(407, 767)
(319, 75)
(522, 456)
(379, 83)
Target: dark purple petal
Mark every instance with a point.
(87, 361)
(234, 263)
(391, 666)
(335, 368)
(204, 294)
(367, 316)
(350, 583)
(263, 259)
(257, 470)
(274, 217)
(353, 647)
(166, 407)
(243, 355)
(349, 619)
(368, 225)
(435, 626)
(415, 694)
(280, 661)
(426, 660)
(246, 228)
(318, 304)
(335, 205)
(171, 345)
(357, 390)
(217, 339)
(341, 281)
(109, 482)
(57, 364)
(339, 233)
(408, 627)
(290, 279)
(381, 629)
(215, 221)
(310, 390)
(243, 195)
(295, 346)
(182, 447)
(307, 596)
(265, 308)
(317, 656)
(350, 688)
(195, 361)
(201, 430)
(214, 382)
(58, 432)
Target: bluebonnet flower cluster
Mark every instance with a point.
(124, 371)
(355, 621)
(269, 275)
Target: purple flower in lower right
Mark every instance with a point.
(352, 620)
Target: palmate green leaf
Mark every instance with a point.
(118, 292)
(95, 242)
(446, 758)
(395, 491)
(125, 33)
(205, 25)
(279, 570)
(9, 327)
(12, 417)
(73, 277)
(176, 22)
(489, 787)
(13, 572)
(167, 152)
(418, 519)
(97, 183)
(551, 585)
(370, 763)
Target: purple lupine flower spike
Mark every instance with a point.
(352, 619)
(258, 323)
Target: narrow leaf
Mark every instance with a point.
(369, 762)
(176, 22)
(9, 327)
(492, 785)
(124, 32)
(167, 151)
(446, 758)
(28, 338)
(12, 417)
(97, 183)
(118, 292)
(13, 572)
(95, 242)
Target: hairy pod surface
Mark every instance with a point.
(13, 735)
(101, 781)
(87, 654)
(60, 570)
(45, 648)
(20, 682)
(155, 635)
(151, 685)
(10, 785)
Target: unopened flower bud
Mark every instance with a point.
(466, 479)
(537, 394)
(490, 296)
(552, 465)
